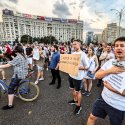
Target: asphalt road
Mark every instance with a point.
(51, 107)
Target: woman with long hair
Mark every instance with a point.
(93, 60)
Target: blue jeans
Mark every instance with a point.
(13, 84)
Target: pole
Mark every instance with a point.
(120, 18)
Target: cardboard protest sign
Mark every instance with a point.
(69, 63)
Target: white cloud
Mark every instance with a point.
(90, 11)
(38, 7)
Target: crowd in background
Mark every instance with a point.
(41, 55)
(93, 57)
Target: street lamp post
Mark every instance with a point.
(120, 13)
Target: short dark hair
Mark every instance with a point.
(55, 46)
(78, 40)
(120, 39)
(109, 44)
(19, 49)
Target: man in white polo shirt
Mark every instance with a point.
(112, 99)
(76, 82)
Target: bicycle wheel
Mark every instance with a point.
(28, 91)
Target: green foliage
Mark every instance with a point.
(26, 39)
(49, 40)
(45, 39)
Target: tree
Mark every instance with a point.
(53, 40)
(49, 40)
(42, 40)
(26, 39)
(34, 39)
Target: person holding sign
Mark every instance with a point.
(112, 99)
(76, 81)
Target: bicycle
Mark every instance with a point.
(26, 90)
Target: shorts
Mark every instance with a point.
(101, 109)
(46, 59)
(30, 60)
(75, 84)
(40, 68)
(13, 84)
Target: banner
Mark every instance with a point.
(69, 63)
(64, 20)
(48, 19)
(8, 12)
(19, 14)
(72, 20)
(27, 16)
(56, 19)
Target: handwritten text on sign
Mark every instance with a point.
(69, 63)
(117, 81)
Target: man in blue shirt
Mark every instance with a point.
(54, 66)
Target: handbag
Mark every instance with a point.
(89, 73)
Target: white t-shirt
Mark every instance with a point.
(84, 61)
(110, 56)
(92, 63)
(92, 66)
(117, 81)
(36, 55)
(46, 51)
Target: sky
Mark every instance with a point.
(96, 14)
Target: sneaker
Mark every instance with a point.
(98, 84)
(77, 110)
(51, 83)
(72, 102)
(7, 107)
(41, 79)
(84, 92)
(88, 93)
(36, 82)
(58, 86)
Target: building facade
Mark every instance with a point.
(89, 37)
(19, 24)
(1, 32)
(111, 32)
(97, 38)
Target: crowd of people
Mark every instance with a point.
(102, 61)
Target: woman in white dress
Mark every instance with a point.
(93, 60)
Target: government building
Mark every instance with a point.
(17, 24)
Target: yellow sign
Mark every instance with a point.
(69, 63)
